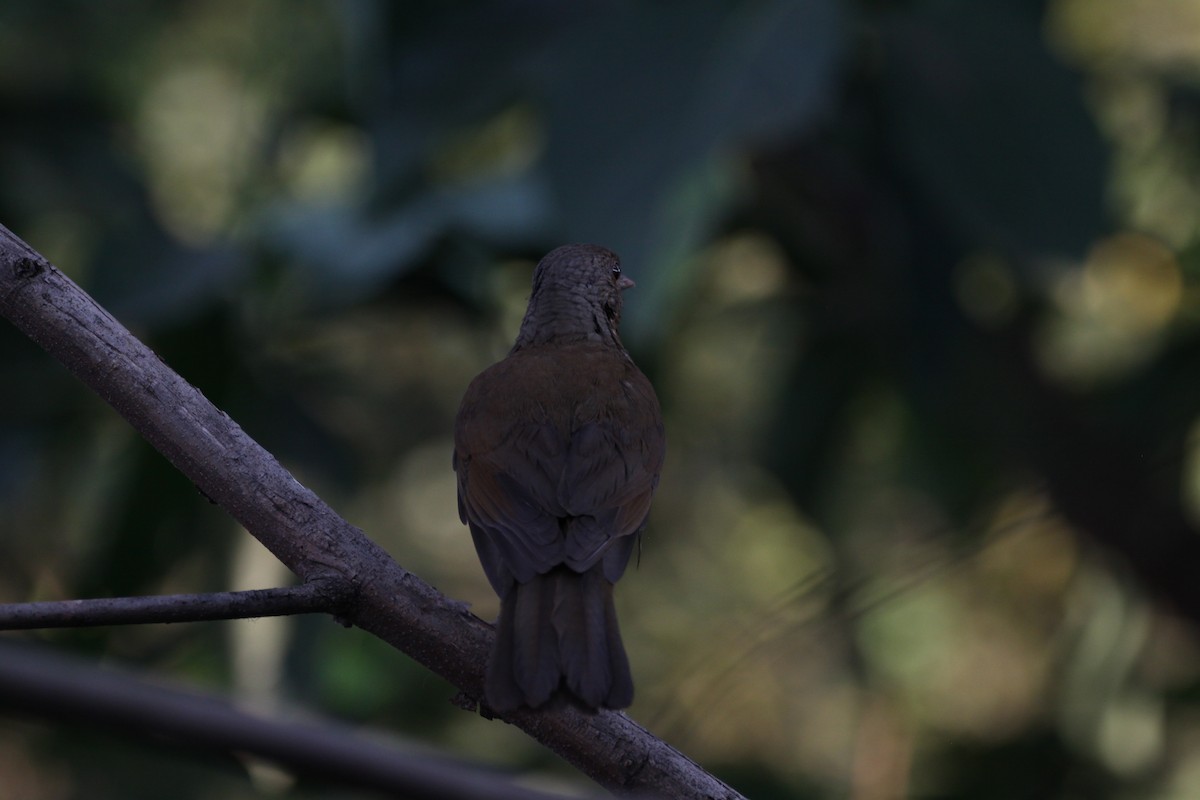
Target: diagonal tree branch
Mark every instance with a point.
(305, 533)
(307, 598)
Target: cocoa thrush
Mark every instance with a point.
(558, 449)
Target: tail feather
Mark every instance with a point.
(591, 654)
(558, 637)
(535, 648)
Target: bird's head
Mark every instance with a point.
(576, 297)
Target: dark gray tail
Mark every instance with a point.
(557, 638)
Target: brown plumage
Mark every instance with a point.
(558, 449)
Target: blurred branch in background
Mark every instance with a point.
(51, 687)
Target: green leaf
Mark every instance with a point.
(993, 129)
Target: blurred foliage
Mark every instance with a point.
(917, 283)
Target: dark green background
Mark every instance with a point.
(917, 286)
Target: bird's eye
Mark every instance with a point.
(616, 272)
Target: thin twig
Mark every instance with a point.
(306, 598)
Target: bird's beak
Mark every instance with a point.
(625, 283)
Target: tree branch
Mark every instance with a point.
(307, 598)
(62, 689)
(305, 533)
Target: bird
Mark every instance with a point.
(557, 453)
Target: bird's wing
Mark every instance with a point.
(508, 456)
(612, 472)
